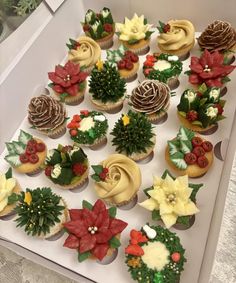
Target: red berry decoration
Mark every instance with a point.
(30, 149)
(79, 169)
(148, 63)
(207, 146)
(220, 108)
(198, 151)
(134, 58)
(103, 175)
(199, 94)
(129, 65)
(33, 158)
(175, 257)
(24, 158)
(73, 132)
(108, 27)
(202, 161)
(196, 141)
(190, 158)
(121, 64)
(192, 116)
(84, 112)
(147, 71)
(40, 147)
(32, 142)
(105, 170)
(85, 27)
(48, 171)
(166, 28)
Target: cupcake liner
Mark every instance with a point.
(180, 226)
(123, 203)
(75, 100)
(184, 56)
(130, 75)
(88, 69)
(58, 132)
(158, 118)
(140, 48)
(173, 82)
(109, 258)
(99, 143)
(106, 42)
(141, 51)
(110, 107)
(35, 172)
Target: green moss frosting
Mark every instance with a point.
(38, 210)
(132, 133)
(162, 76)
(170, 273)
(106, 84)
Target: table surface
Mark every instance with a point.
(16, 269)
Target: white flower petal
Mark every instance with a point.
(149, 204)
(169, 219)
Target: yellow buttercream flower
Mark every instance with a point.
(126, 120)
(99, 65)
(171, 198)
(28, 198)
(133, 29)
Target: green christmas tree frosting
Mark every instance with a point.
(38, 210)
(202, 107)
(106, 84)
(132, 133)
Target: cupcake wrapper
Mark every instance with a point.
(106, 42)
(58, 132)
(173, 82)
(74, 100)
(109, 107)
(88, 69)
(99, 143)
(158, 118)
(141, 51)
(180, 226)
(123, 203)
(35, 172)
(184, 56)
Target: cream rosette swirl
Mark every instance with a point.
(87, 52)
(150, 97)
(122, 182)
(45, 113)
(180, 35)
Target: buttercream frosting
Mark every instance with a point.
(180, 35)
(6, 188)
(87, 52)
(122, 182)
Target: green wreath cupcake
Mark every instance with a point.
(133, 136)
(67, 166)
(100, 27)
(200, 110)
(41, 212)
(172, 200)
(154, 255)
(89, 128)
(164, 68)
(107, 88)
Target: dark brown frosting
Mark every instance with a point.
(219, 36)
(150, 97)
(45, 113)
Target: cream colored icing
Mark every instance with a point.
(162, 65)
(6, 189)
(87, 54)
(181, 34)
(86, 124)
(133, 29)
(122, 182)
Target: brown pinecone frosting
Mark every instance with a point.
(45, 113)
(219, 36)
(150, 97)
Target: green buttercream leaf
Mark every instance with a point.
(202, 88)
(156, 215)
(195, 190)
(97, 169)
(146, 191)
(185, 134)
(13, 198)
(86, 204)
(83, 256)
(222, 103)
(112, 211)
(188, 73)
(174, 146)
(183, 114)
(133, 41)
(184, 220)
(19, 147)
(114, 243)
(63, 96)
(197, 123)
(96, 178)
(220, 117)
(178, 160)
(24, 137)
(203, 101)
(13, 160)
(225, 80)
(148, 34)
(186, 146)
(167, 172)
(51, 85)
(10, 147)
(8, 174)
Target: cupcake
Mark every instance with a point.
(220, 36)
(209, 69)
(135, 34)
(100, 27)
(126, 61)
(89, 128)
(117, 179)
(152, 98)
(164, 68)
(201, 110)
(41, 212)
(47, 115)
(27, 154)
(177, 37)
(172, 200)
(154, 255)
(8, 187)
(67, 166)
(94, 231)
(133, 136)
(85, 52)
(189, 154)
(107, 88)
(68, 83)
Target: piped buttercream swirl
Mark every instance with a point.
(122, 182)
(45, 113)
(180, 35)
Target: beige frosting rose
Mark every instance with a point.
(181, 34)
(122, 182)
(218, 36)
(87, 53)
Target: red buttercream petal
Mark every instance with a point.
(71, 242)
(117, 226)
(137, 236)
(207, 58)
(72, 68)
(134, 250)
(78, 228)
(194, 79)
(197, 68)
(217, 58)
(194, 60)
(76, 214)
(82, 76)
(55, 79)
(100, 251)
(89, 217)
(58, 88)
(214, 83)
(72, 90)
(87, 243)
(60, 71)
(103, 235)
(103, 220)
(99, 206)
(206, 75)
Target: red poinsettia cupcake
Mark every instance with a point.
(209, 69)
(68, 83)
(94, 231)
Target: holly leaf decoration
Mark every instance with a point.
(225, 80)
(202, 88)
(82, 257)
(112, 211)
(9, 173)
(148, 34)
(178, 160)
(86, 204)
(186, 146)
(156, 215)
(195, 190)
(183, 220)
(161, 27)
(185, 134)
(97, 169)
(114, 243)
(132, 41)
(13, 198)
(174, 146)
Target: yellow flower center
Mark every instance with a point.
(99, 65)
(126, 120)
(28, 198)
(171, 198)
